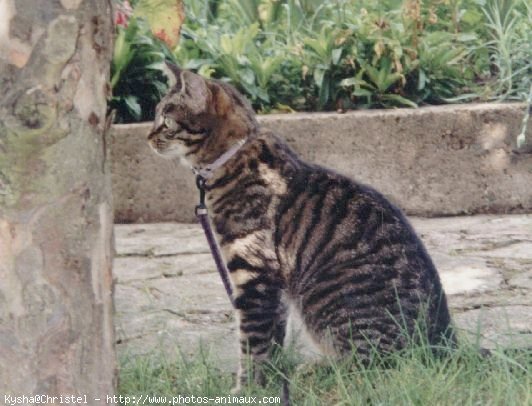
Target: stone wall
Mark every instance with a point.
(433, 161)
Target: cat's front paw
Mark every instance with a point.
(241, 379)
(236, 389)
(258, 375)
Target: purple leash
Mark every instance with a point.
(203, 218)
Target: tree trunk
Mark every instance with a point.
(56, 330)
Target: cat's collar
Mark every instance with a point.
(207, 170)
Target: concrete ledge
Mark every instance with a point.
(432, 161)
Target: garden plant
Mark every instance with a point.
(310, 55)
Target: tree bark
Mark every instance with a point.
(56, 330)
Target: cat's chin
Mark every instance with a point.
(168, 154)
(173, 156)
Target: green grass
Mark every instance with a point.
(414, 377)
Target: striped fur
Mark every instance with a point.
(295, 233)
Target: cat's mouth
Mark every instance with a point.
(165, 149)
(169, 152)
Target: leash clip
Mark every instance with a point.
(200, 184)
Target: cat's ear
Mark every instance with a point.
(173, 74)
(192, 87)
(222, 102)
(195, 91)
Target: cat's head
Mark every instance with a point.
(199, 119)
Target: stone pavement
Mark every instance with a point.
(168, 294)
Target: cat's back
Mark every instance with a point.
(322, 210)
(350, 256)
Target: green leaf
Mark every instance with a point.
(349, 82)
(422, 80)
(324, 92)
(362, 93)
(247, 76)
(160, 86)
(133, 106)
(336, 55)
(466, 37)
(155, 66)
(247, 10)
(388, 79)
(319, 75)
(400, 100)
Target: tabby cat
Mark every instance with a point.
(294, 233)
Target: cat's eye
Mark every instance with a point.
(170, 123)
